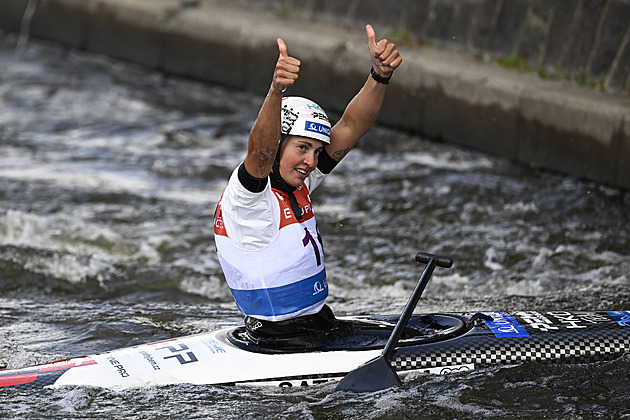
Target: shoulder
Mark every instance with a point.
(245, 189)
(314, 179)
(251, 219)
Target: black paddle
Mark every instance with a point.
(378, 374)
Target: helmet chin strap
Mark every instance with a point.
(279, 184)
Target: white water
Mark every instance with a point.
(109, 176)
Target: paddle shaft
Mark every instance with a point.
(378, 374)
(408, 311)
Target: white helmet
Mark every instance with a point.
(303, 117)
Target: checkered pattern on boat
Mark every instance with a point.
(37, 379)
(600, 341)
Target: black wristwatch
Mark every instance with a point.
(379, 78)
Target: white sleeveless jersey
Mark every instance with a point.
(273, 263)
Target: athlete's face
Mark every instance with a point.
(298, 159)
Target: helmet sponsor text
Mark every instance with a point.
(314, 127)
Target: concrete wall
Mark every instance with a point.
(588, 40)
(436, 93)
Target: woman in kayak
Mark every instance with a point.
(266, 236)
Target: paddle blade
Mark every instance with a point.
(372, 376)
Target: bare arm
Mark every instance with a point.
(264, 136)
(363, 109)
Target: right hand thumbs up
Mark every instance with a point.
(287, 69)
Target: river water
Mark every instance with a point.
(109, 177)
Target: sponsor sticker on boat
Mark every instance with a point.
(622, 317)
(504, 325)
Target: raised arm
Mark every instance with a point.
(363, 109)
(264, 136)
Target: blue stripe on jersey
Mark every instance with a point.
(283, 300)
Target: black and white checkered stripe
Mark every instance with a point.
(603, 341)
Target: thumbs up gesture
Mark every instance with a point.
(287, 69)
(385, 56)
